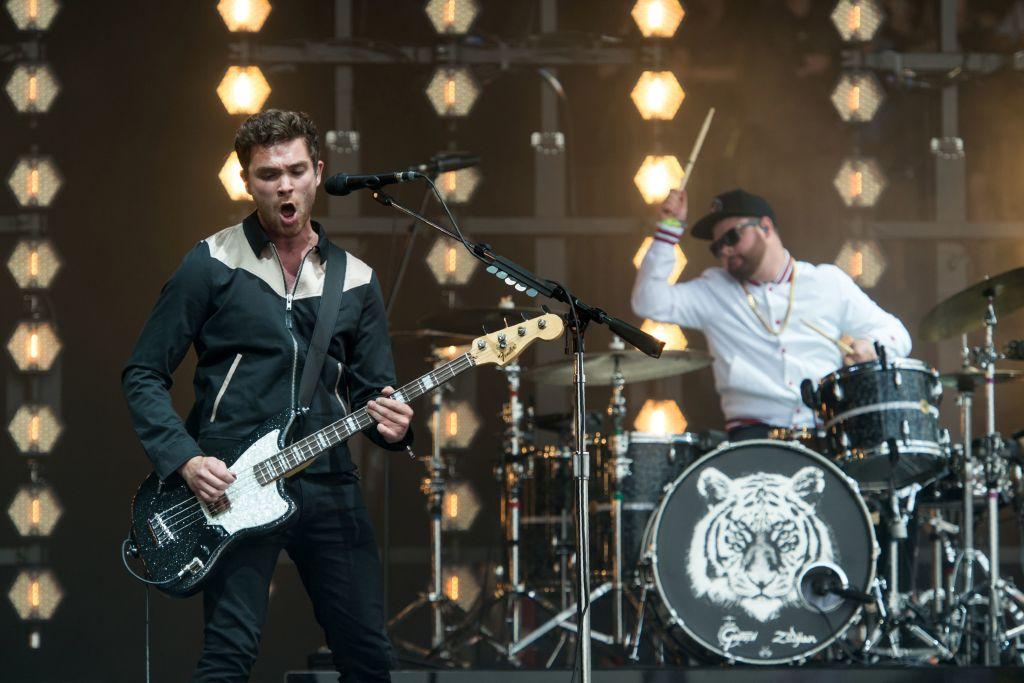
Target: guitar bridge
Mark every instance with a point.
(159, 530)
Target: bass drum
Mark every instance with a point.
(731, 539)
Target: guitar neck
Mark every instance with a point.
(300, 453)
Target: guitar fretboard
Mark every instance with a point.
(304, 450)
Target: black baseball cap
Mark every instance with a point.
(732, 203)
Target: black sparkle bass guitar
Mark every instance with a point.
(179, 538)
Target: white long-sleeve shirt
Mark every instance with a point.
(758, 374)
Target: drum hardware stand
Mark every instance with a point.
(892, 608)
(433, 487)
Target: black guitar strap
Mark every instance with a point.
(326, 317)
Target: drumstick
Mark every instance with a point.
(695, 152)
(843, 346)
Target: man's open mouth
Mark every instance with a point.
(288, 210)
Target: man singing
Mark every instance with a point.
(246, 299)
(753, 310)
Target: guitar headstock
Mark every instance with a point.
(504, 346)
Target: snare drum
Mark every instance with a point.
(882, 422)
(733, 540)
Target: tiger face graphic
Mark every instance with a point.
(759, 532)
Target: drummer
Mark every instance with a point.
(756, 310)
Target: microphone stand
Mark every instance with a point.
(580, 315)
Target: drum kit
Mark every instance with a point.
(798, 547)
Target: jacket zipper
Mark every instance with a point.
(288, 297)
(224, 386)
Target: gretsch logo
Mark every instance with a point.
(730, 635)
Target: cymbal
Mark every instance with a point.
(635, 367)
(436, 337)
(965, 310)
(473, 321)
(975, 377)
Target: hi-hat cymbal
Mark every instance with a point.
(474, 321)
(975, 377)
(965, 310)
(635, 367)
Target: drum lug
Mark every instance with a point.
(844, 441)
(837, 391)
(905, 431)
(897, 378)
(622, 468)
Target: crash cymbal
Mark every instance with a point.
(965, 310)
(474, 321)
(635, 367)
(975, 377)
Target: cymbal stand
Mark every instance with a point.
(966, 400)
(620, 469)
(433, 487)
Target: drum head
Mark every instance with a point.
(732, 537)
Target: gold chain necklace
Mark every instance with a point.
(766, 324)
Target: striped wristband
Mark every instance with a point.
(669, 231)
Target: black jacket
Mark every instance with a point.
(228, 300)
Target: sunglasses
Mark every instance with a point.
(731, 238)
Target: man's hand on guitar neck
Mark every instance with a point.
(392, 417)
(207, 477)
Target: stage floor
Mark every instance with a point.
(721, 674)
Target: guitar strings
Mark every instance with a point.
(304, 448)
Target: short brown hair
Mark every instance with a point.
(271, 127)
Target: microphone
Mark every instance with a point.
(343, 183)
(824, 587)
(443, 163)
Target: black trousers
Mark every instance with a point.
(332, 544)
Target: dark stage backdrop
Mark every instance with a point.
(139, 136)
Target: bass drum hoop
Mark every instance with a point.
(650, 553)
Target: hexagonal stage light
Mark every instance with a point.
(452, 92)
(860, 181)
(245, 16)
(673, 337)
(35, 180)
(862, 260)
(459, 424)
(658, 18)
(35, 429)
(450, 263)
(34, 346)
(677, 269)
(458, 187)
(34, 263)
(657, 95)
(243, 90)
(660, 417)
(35, 510)
(459, 507)
(33, 15)
(857, 96)
(230, 176)
(32, 88)
(461, 585)
(857, 20)
(35, 594)
(452, 17)
(657, 176)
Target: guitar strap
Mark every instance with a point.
(326, 317)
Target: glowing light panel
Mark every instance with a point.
(452, 92)
(658, 95)
(657, 176)
(34, 263)
(243, 90)
(660, 417)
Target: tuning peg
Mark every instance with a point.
(504, 319)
